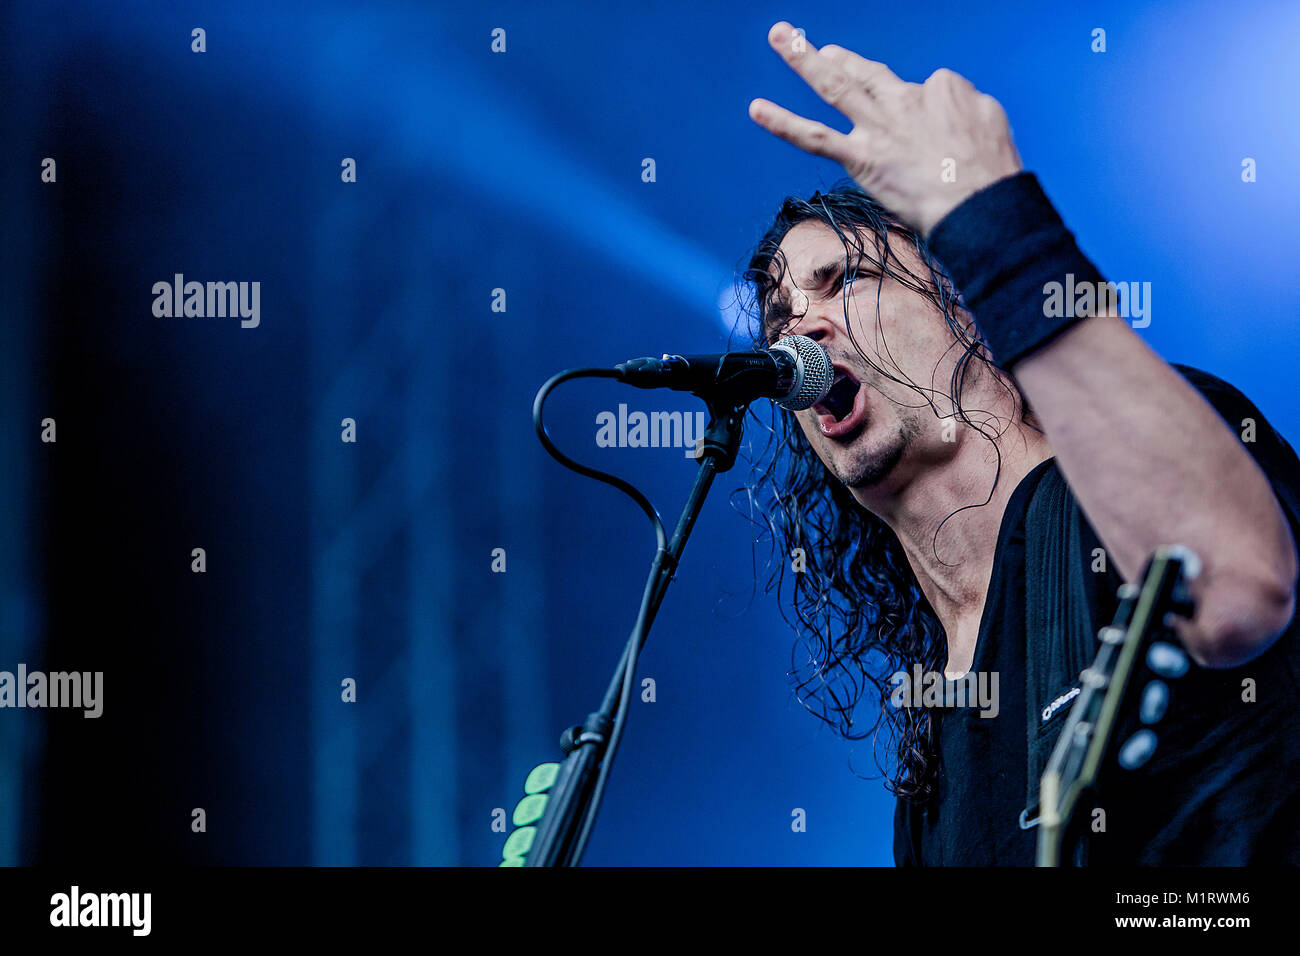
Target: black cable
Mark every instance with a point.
(661, 536)
(620, 688)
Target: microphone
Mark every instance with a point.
(795, 373)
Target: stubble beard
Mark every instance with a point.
(861, 466)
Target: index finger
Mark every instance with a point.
(833, 77)
(872, 75)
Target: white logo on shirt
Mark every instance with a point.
(1060, 702)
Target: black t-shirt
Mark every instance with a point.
(1223, 787)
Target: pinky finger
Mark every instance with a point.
(816, 138)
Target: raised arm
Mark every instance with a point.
(1149, 460)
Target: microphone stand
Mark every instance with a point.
(568, 803)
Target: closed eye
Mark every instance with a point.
(856, 274)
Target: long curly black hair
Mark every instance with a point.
(858, 610)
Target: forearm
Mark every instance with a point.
(1150, 461)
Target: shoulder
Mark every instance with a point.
(1266, 444)
(1229, 401)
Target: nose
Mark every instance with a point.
(820, 317)
(816, 323)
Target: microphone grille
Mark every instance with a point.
(815, 372)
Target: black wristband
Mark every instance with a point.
(1001, 247)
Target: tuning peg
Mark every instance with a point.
(1191, 561)
(1138, 749)
(1111, 635)
(528, 813)
(1155, 700)
(1167, 660)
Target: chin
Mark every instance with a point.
(862, 467)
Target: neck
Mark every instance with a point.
(954, 568)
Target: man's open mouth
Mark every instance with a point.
(843, 409)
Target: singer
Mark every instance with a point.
(906, 490)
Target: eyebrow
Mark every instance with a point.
(780, 311)
(824, 273)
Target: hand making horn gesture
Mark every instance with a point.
(918, 148)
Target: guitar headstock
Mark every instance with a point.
(1138, 658)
